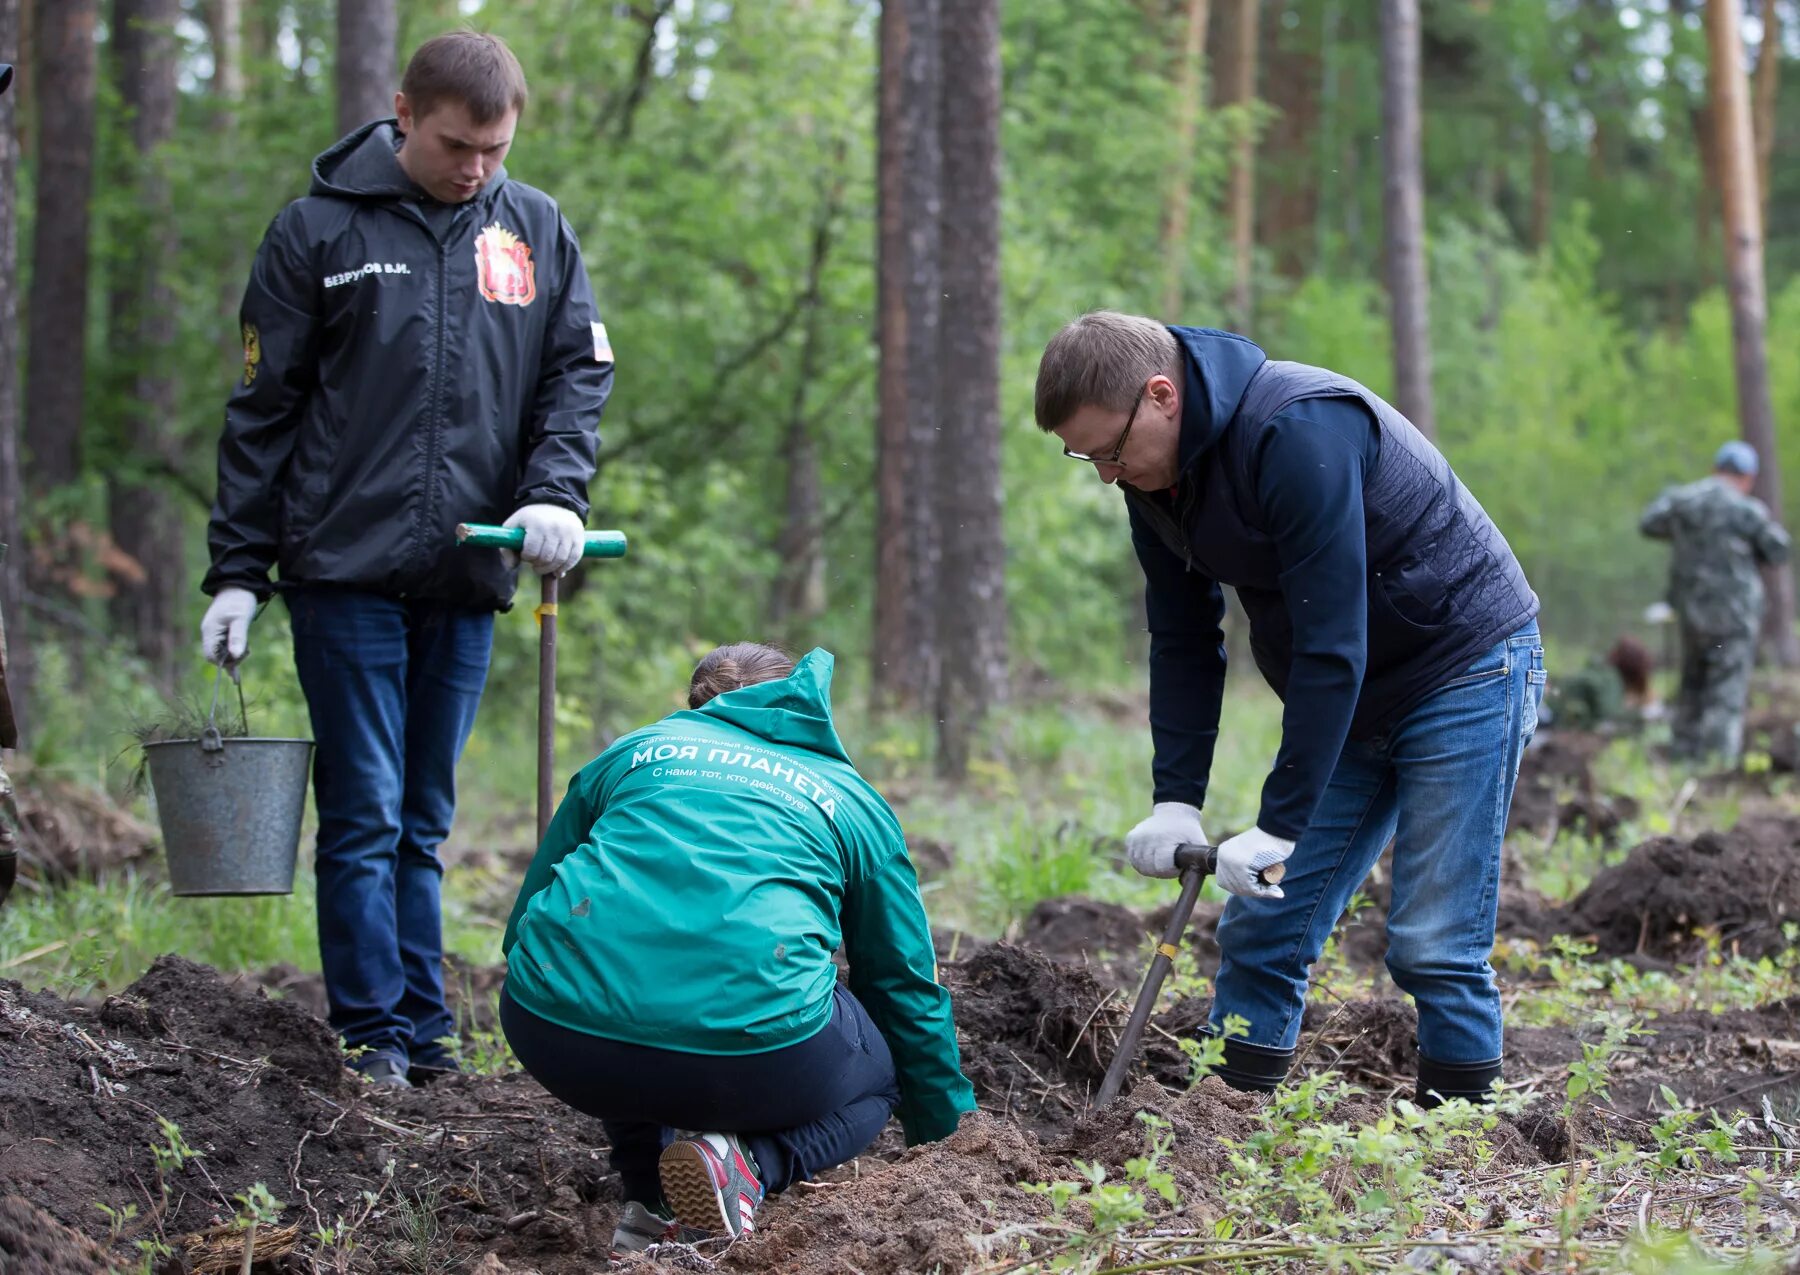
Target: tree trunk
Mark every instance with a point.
(1744, 285)
(1242, 74)
(1540, 178)
(1768, 93)
(1706, 199)
(1190, 98)
(225, 35)
(57, 320)
(1408, 288)
(366, 58)
(1289, 202)
(799, 597)
(12, 495)
(971, 596)
(909, 306)
(145, 521)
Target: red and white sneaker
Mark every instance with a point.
(712, 1183)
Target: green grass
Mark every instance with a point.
(94, 938)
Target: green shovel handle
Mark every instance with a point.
(597, 544)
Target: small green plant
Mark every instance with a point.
(256, 1207)
(117, 1220)
(1114, 1206)
(170, 1154)
(1205, 1054)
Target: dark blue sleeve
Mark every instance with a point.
(1187, 667)
(1308, 470)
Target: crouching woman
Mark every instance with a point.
(669, 958)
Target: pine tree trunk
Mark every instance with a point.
(971, 594)
(909, 305)
(1408, 289)
(366, 77)
(57, 321)
(1744, 285)
(12, 495)
(225, 32)
(799, 597)
(1290, 205)
(1177, 210)
(143, 515)
(1540, 179)
(1242, 73)
(1767, 92)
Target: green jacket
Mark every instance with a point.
(698, 877)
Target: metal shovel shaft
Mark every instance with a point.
(1196, 864)
(546, 771)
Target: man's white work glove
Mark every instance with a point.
(1243, 856)
(553, 537)
(1151, 845)
(225, 628)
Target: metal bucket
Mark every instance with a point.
(230, 810)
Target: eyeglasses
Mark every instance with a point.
(1118, 450)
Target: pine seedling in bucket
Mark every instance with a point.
(230, 803)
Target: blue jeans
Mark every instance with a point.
(392, 686)
(1439, 785)
(799, 1110)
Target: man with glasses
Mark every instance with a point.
(1387, 612)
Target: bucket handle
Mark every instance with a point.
(211, 740)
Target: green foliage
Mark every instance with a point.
(1206, 1054)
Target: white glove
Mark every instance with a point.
(225, 628)
(1151, 845)
(1243, 856)
(553, 537)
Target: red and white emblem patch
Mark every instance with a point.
(504, 270)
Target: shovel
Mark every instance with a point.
(1196, 863)
(598, 544)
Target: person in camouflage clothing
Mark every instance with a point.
(1720, 535)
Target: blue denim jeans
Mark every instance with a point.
(800, 1110)
(1439, 785)
(392, 687)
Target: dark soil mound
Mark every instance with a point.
(257, 1088)
(915, 1214)
(1076, 928)
(33, 1243)
(1036, 1035)
(1744, 883)
(1556, 789)
(1371, 1043)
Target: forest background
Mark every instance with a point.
(746, 179)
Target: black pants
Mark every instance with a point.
(799, 1110)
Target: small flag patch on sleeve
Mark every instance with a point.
(602, 344)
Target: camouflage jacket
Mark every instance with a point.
(1719, 538)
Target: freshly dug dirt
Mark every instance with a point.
(257, 1087)
(1556, 789)
(1110, 938)
(491, 1176)
(1036, 1035)
(1744, 883)
(34, 1243)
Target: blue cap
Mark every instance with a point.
(1736, 457)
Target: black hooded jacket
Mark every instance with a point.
(408, 365)
(1370, 576)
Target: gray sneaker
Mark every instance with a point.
(639, 1226)
(712, 1183)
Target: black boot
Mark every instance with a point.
(1253, 1068)
(1439, 1082)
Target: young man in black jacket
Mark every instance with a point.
(421, 348)
(1388, 613)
